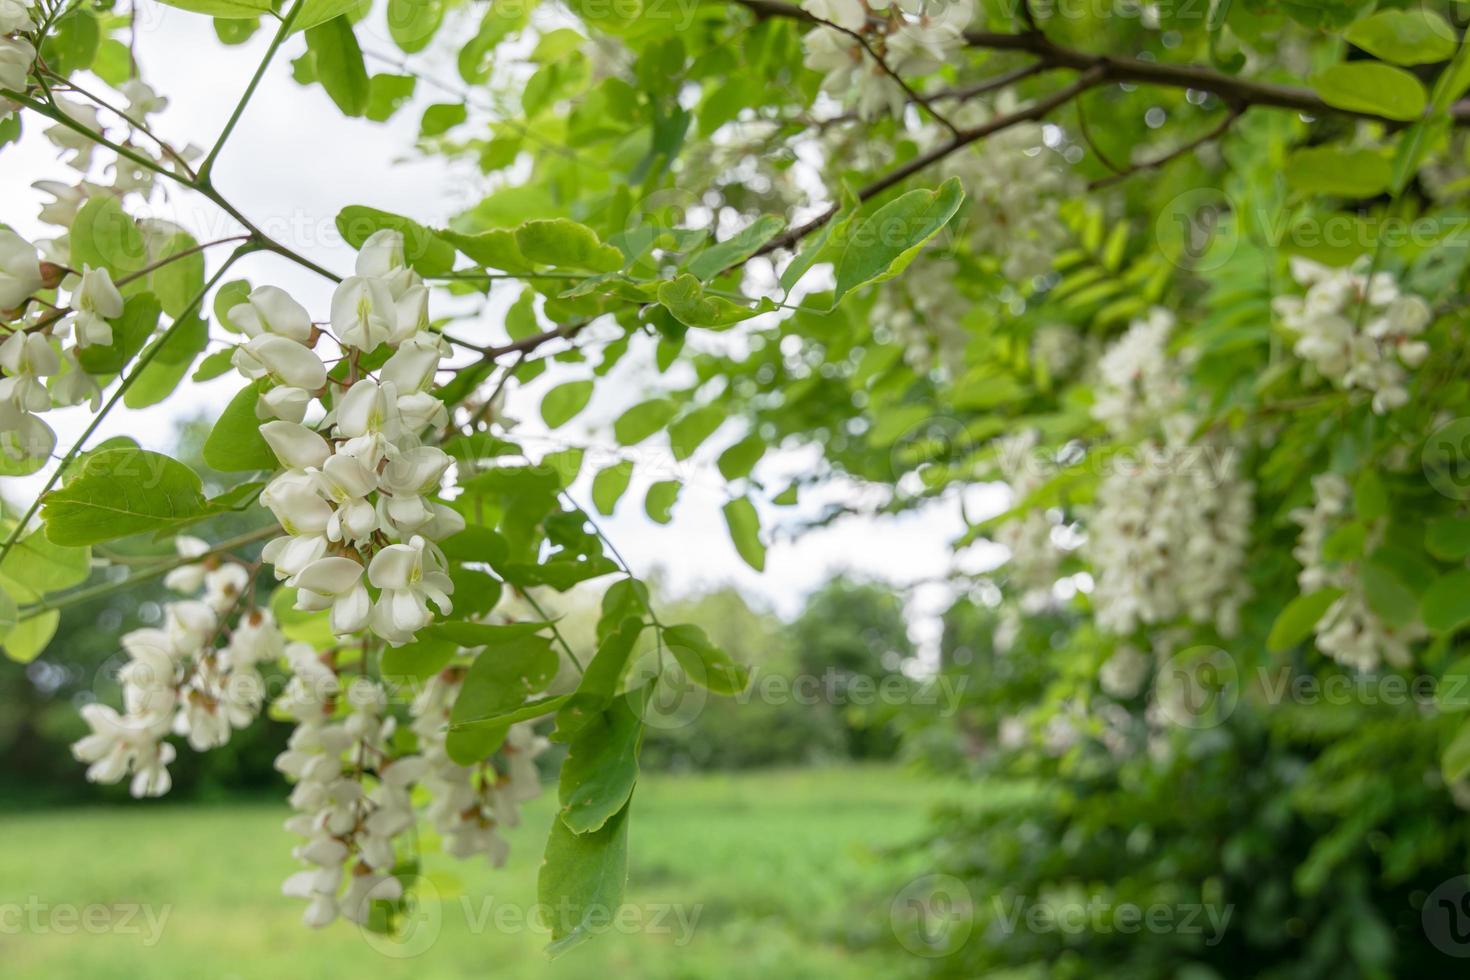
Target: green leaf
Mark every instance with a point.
(167, 368)
(643, 420)
(503, 676)
(687, 434)
(121, 492)
(740, 459)
(235, 444)
(609, 485)
(104, 236)
(314, 12)
(339, 64)
(1388, 595)
(563, 402)
(687, 302)
(1404, 37)
(1454, 763)
(387, 93)
(705, 663)
(1448, 538)
(482, 634)
(181, 280)
(1373, 88)
(739, 247)
(601, 767)
(228, 296)
(1452, 690)
(582, 879)
(659, 502)
(1296, 622)
(420, 659)
(883, 244)
(1338, 171)
(413, 23)
(595, 691)
(441, 117)
(1446, 603)
(225, 9)
(1370, 496)
(423, 249)
(129, 333)
(745, 531)
(38, 565)
(494, 249)
(28, 639)
(566, 245)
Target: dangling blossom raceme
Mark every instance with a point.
(349, 833)
(1357, 331)
(1168, 535)
(1349, 632)
(178, 680)
(911, 41)
(356, 495)
(470, 804)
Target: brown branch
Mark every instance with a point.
(1122, 69)
(1090, 78)
(1215, 133)
(913, 96)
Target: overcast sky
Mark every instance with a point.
(294, 161)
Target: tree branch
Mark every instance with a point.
(1215, 133)
(1122, 69)
(1089, 79)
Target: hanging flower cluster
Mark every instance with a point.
(471, 803)
(912, 38)
(344, 824)
(926, 313)
(1170, 530)
(40, 356)
(177, 680)
(1015, 185)
(355, 494)
(1034, 560)
(1349, 632)
(1357, 331)
(17, 54)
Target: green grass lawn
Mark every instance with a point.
(761, 875)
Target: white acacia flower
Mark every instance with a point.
(72, 385)
(407, 575)
(187, 578)
(850, 14)
(16, 58)
(142, 99)
(346, 481)
(67, 200)
(269, 309)
(27, 357)
(295, 445)
(367, 417)
(283, 359)
(364, 313)
(20, 269)
(335, 583)
(282, 402)
(95, 301)
(15, 15)
(223, 587)
(80, 147)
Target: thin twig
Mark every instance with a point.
(1215, 133)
